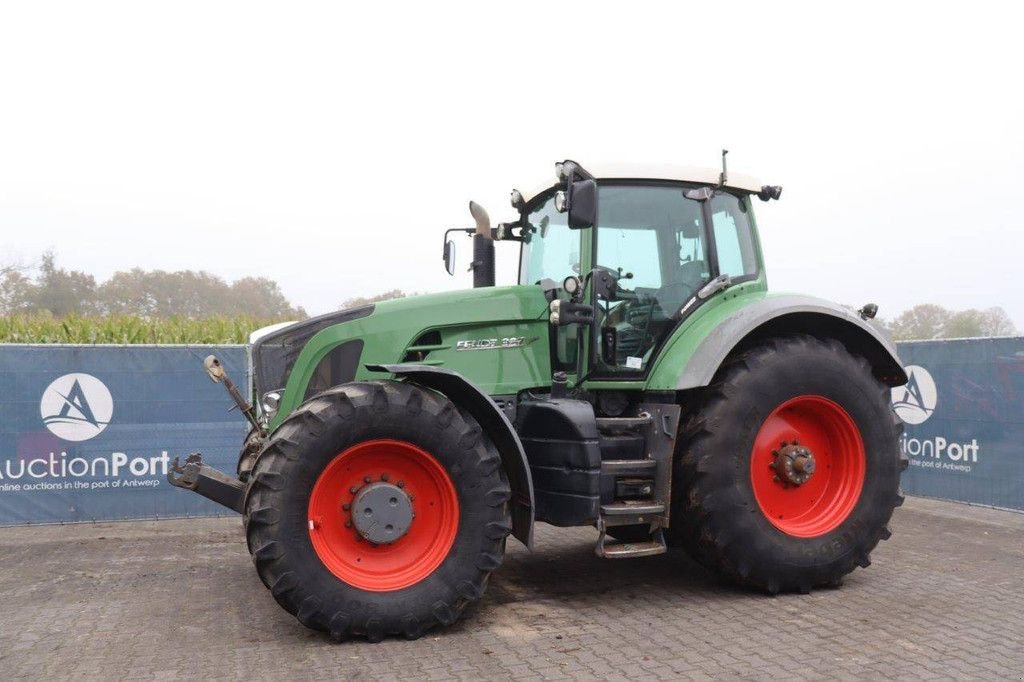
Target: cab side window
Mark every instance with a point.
(734, 242)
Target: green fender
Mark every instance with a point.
(700, 345)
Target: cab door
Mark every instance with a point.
(653, 249)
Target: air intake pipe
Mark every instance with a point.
(483, 248)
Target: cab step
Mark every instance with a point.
(628, 467)
(623, 424)
(630, 512)
(628, 550)
(638, 508)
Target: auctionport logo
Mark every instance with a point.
(915, 401)
(76, 407)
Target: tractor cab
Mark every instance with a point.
(641, 248)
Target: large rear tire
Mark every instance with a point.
(788, 467)
(377, 508)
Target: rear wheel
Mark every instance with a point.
(788, 469)
(377, 508)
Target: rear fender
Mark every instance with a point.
(769, 316)
(493, 422)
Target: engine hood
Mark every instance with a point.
(506, 327)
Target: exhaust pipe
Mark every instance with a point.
(483, 248)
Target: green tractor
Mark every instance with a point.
(639, 379)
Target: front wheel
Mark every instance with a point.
(377, 508)
(789, 467)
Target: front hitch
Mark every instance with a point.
(208, 482)
(212, 484)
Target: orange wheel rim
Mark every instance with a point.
(360, 473)
(808, 466)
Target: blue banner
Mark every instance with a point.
(88, 432)
(964, 413)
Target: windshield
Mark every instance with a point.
(552, 250)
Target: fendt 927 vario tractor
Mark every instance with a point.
(639, 379)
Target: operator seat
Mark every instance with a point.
(689, 277)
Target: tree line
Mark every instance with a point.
(930, 321)
(52, 290)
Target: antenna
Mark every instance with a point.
(724, 175)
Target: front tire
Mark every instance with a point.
(377, 508)
(788, 468)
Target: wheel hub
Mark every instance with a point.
(382, 513)
(793, 464)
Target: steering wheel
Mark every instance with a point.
(673, 295)
(614, 275)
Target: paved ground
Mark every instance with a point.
(171, 599)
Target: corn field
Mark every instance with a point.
(127, 329)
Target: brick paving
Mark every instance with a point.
(172, 599)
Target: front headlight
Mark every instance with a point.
(271, 401)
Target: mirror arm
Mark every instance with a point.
(466, 230)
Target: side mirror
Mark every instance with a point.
(582, 204)
(449, 256)
(580, 200)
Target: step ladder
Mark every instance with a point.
(642, 485)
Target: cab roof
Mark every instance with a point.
(674, 173)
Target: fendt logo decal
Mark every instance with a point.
(494, 344)
(915, 401)
(76, 407)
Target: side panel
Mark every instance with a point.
(501, 358)
(702, 343)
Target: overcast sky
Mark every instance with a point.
(329, 146)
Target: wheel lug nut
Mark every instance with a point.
(348, 524)
(384, 477)
(366, 479)
(401, 484)
(346, 506)
(353, 490)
